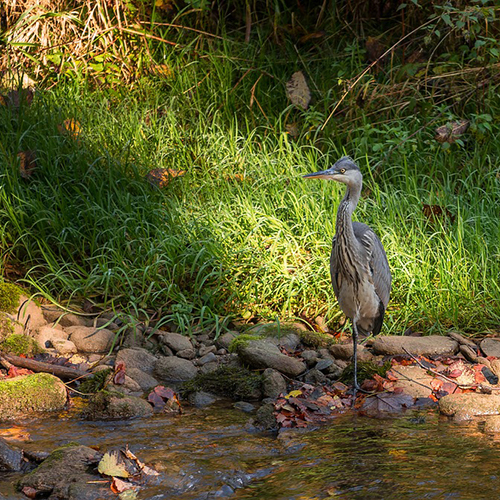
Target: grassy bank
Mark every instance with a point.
(240, 234)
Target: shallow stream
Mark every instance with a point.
(213, 454)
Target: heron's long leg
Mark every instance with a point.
(355, 358)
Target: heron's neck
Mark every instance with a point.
(345, 210)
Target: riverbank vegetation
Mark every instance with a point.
(234, 233)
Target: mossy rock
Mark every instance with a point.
(110, 405)
(366, 370)
(227, 381)
(242, 340)
(315, 339)
(19, 344)
(9, 297)
(6, 327)
(96, 383)
(28, 394)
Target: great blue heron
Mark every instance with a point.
(360, 273)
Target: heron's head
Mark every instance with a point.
(343, 170)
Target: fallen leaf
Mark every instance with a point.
(119, 376)
(298, 91)
(162, 176)
(128, 495)
(433, 212)
(451, 131)
(387, 402)
(70, 127)
(293, 394)
(311, 36)
(29, 492)
(119, 486)
(27, 163)
(110, 466)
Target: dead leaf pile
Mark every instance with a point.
(128, 473)
(165, 399)
(161, 177)
(311, 405)
(451, 131)
(298, 91)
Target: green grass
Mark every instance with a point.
(241, 233)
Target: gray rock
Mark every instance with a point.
(209, 367)
(334, 370)
(63, 318)
(175, 369)
(200, 399)
(273, 383)
(176, 341)
(134, 337)
(224, 340)
(30, 313)
(418, 346)
(186, 354)
(289, 341)
(137, 357)
(88, 339)
(323, 364)
(113, 405)
(46, 335)
(467, 405)
(10, 459)
(210, 357)
(315, 377)
(64, 467)
(244, 406)
(345, 351)
(203, 338)
(104, 323)
(221, 352)
(129, 386)
(145, 380)
(264, 354)
(205, 349)
(491, 347)
(63, 346)
(310, 357)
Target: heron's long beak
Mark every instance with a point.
(323, 174)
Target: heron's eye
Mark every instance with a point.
(342, 170)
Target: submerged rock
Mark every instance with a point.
(22, 396)
(11, 460)
(201, 399)
(113, 406)
(65, 468)
(467, 405)
(419, 346)
(261, 353)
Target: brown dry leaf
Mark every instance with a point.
(27, 163)
(162, 70)
(162, 176)
(311, 36)
(119, 486)
(109, 466)
(292, 129)
(451, 131)
(434, 212)
(18, 98)
(374, 48)
(298, 91)
(70, 127)
(29, 492)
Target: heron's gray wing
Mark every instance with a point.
(381, 273)
(334, 269)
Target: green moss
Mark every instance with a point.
(96, 383)
(366, 370)
(6, 327)
(315, 339)
(242, 340)
(228, 381)
(20, 344)
(9, 297)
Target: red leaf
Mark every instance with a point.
(455, 373)
(164, 392)
(29, 492)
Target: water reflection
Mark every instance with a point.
(212, 454)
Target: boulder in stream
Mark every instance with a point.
(467, 405)
(28, 394)
(67, 474)
(106, 405)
